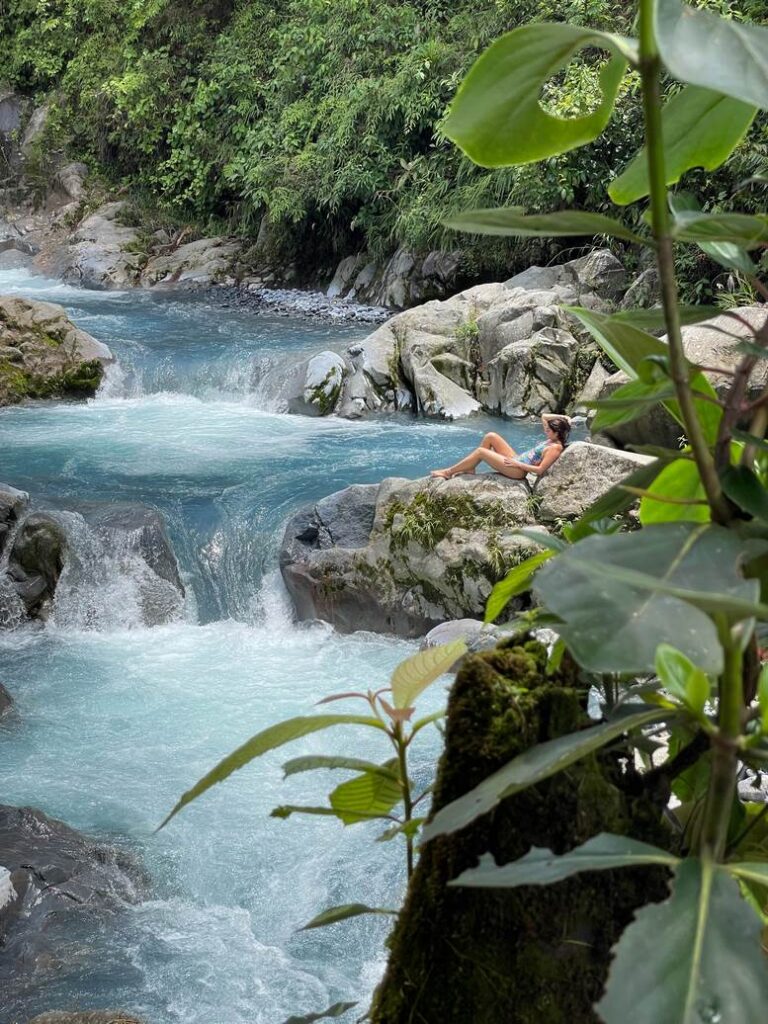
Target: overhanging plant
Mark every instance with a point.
(680, 600)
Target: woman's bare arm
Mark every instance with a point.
(551, 454)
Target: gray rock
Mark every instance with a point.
(314, 386)
(141, 530)
(35, 128)
(12, 504)
(478, 636)
(644, 291)
(36, 560)
(85, 1017)
(197, 264)
(52, 871)
(96, 255)
(10, 112)
(346, 272)
(582, 473)
(70, 181)
(591, 390)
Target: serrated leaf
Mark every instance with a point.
(726, 55)
(268, 739)
(517, 581)
(543, 867)
(333, 1011)
(342, 913)
(701, 128)
(497, 118)
(693, 959)
(744, 489)
(620, 596)
(415, 674)
(366, 796)
(536, 764)
(513, 221)
(312, 762)
(678, 481)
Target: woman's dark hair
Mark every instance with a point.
(561, 426)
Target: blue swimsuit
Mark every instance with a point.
(534, 455)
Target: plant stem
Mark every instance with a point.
(722, 779)
(650, 71)
(401, 746)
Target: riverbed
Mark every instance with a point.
(115, 720)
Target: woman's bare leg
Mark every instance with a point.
(468, 465)
(492, 442)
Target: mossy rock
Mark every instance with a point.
(532, 955)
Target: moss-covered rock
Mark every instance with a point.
(532, 955)
(43, 354)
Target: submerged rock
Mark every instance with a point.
(312, 388)
(43, 354)
(36, 561)
(6, 706)
(404, 556)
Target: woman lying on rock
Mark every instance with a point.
(504, 459)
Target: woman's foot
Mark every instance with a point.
(442, 474)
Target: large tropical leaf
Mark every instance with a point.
(369, 794)
(620, 596)
(726, 55)
(415, 674)
(631, 400)
(536, 764)
(497, 118)
(542, 867)
(268, 739)
(517, 581)
(693, 959)
(653, 319)
(742, 229)
(342, 913)
(678, 482)
(701, 128)
(515, 222)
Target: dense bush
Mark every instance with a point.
(326, 112)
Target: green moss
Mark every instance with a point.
(78, 381)
(326, 395)
(428, 518)
(533, 955)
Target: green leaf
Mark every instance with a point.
(682, 678)
(540, 537)
(620, 596)
(367, 795)
(517, 581)
(743, 229)
(536, 764)
(762, 698)
(284, 811)
(654, 320)
(680, 481)
(728, 255)
(693, 959)
(726, 55)
(497, 118)
(751, 871)
(415, 674)
(333, 1011)
(630, 401)
(334, 914)
(267, 739)
(628, 347)
(744, 489)
(751, 439)
(313, 762)
(542, 867)
(701, 128)
(427, 720)
(403, 828)
(513, 221)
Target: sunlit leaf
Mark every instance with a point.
(678, 481)
(762, 697)
(513, 221)
(693, 959)
(313, 762)
(366, 795)
(517, 581)
(267, 739)
(542, 867)
(342, 913)
(415, 674)
(497, 118)
(726, 55)
(701, 128)
(536, 764)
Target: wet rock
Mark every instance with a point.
(6, 706)
(57, 359)
(141, 530)
(476, 634)
(313, 387)
(12, 503)
(51, 870)
(86, 1017)
(36, 561)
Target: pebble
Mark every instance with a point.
(295, 302)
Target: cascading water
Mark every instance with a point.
(116, 719)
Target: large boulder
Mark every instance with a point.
(197, 264)
(582, 473)
(507, 348)
(405, 279)
(312, 387)
(36, 561)
(51, 870)
(98, 253)
(12, 503)
(712, 343)
(44, 355)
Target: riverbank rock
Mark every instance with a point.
(504, 348)
(197, 264)
(312, 387)
(51, 871)
(711, 343)
(405, 279)
(87, 1017)
(404, 556)
(98, 252)
(44, 355)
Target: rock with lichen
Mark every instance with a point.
(44, 355)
